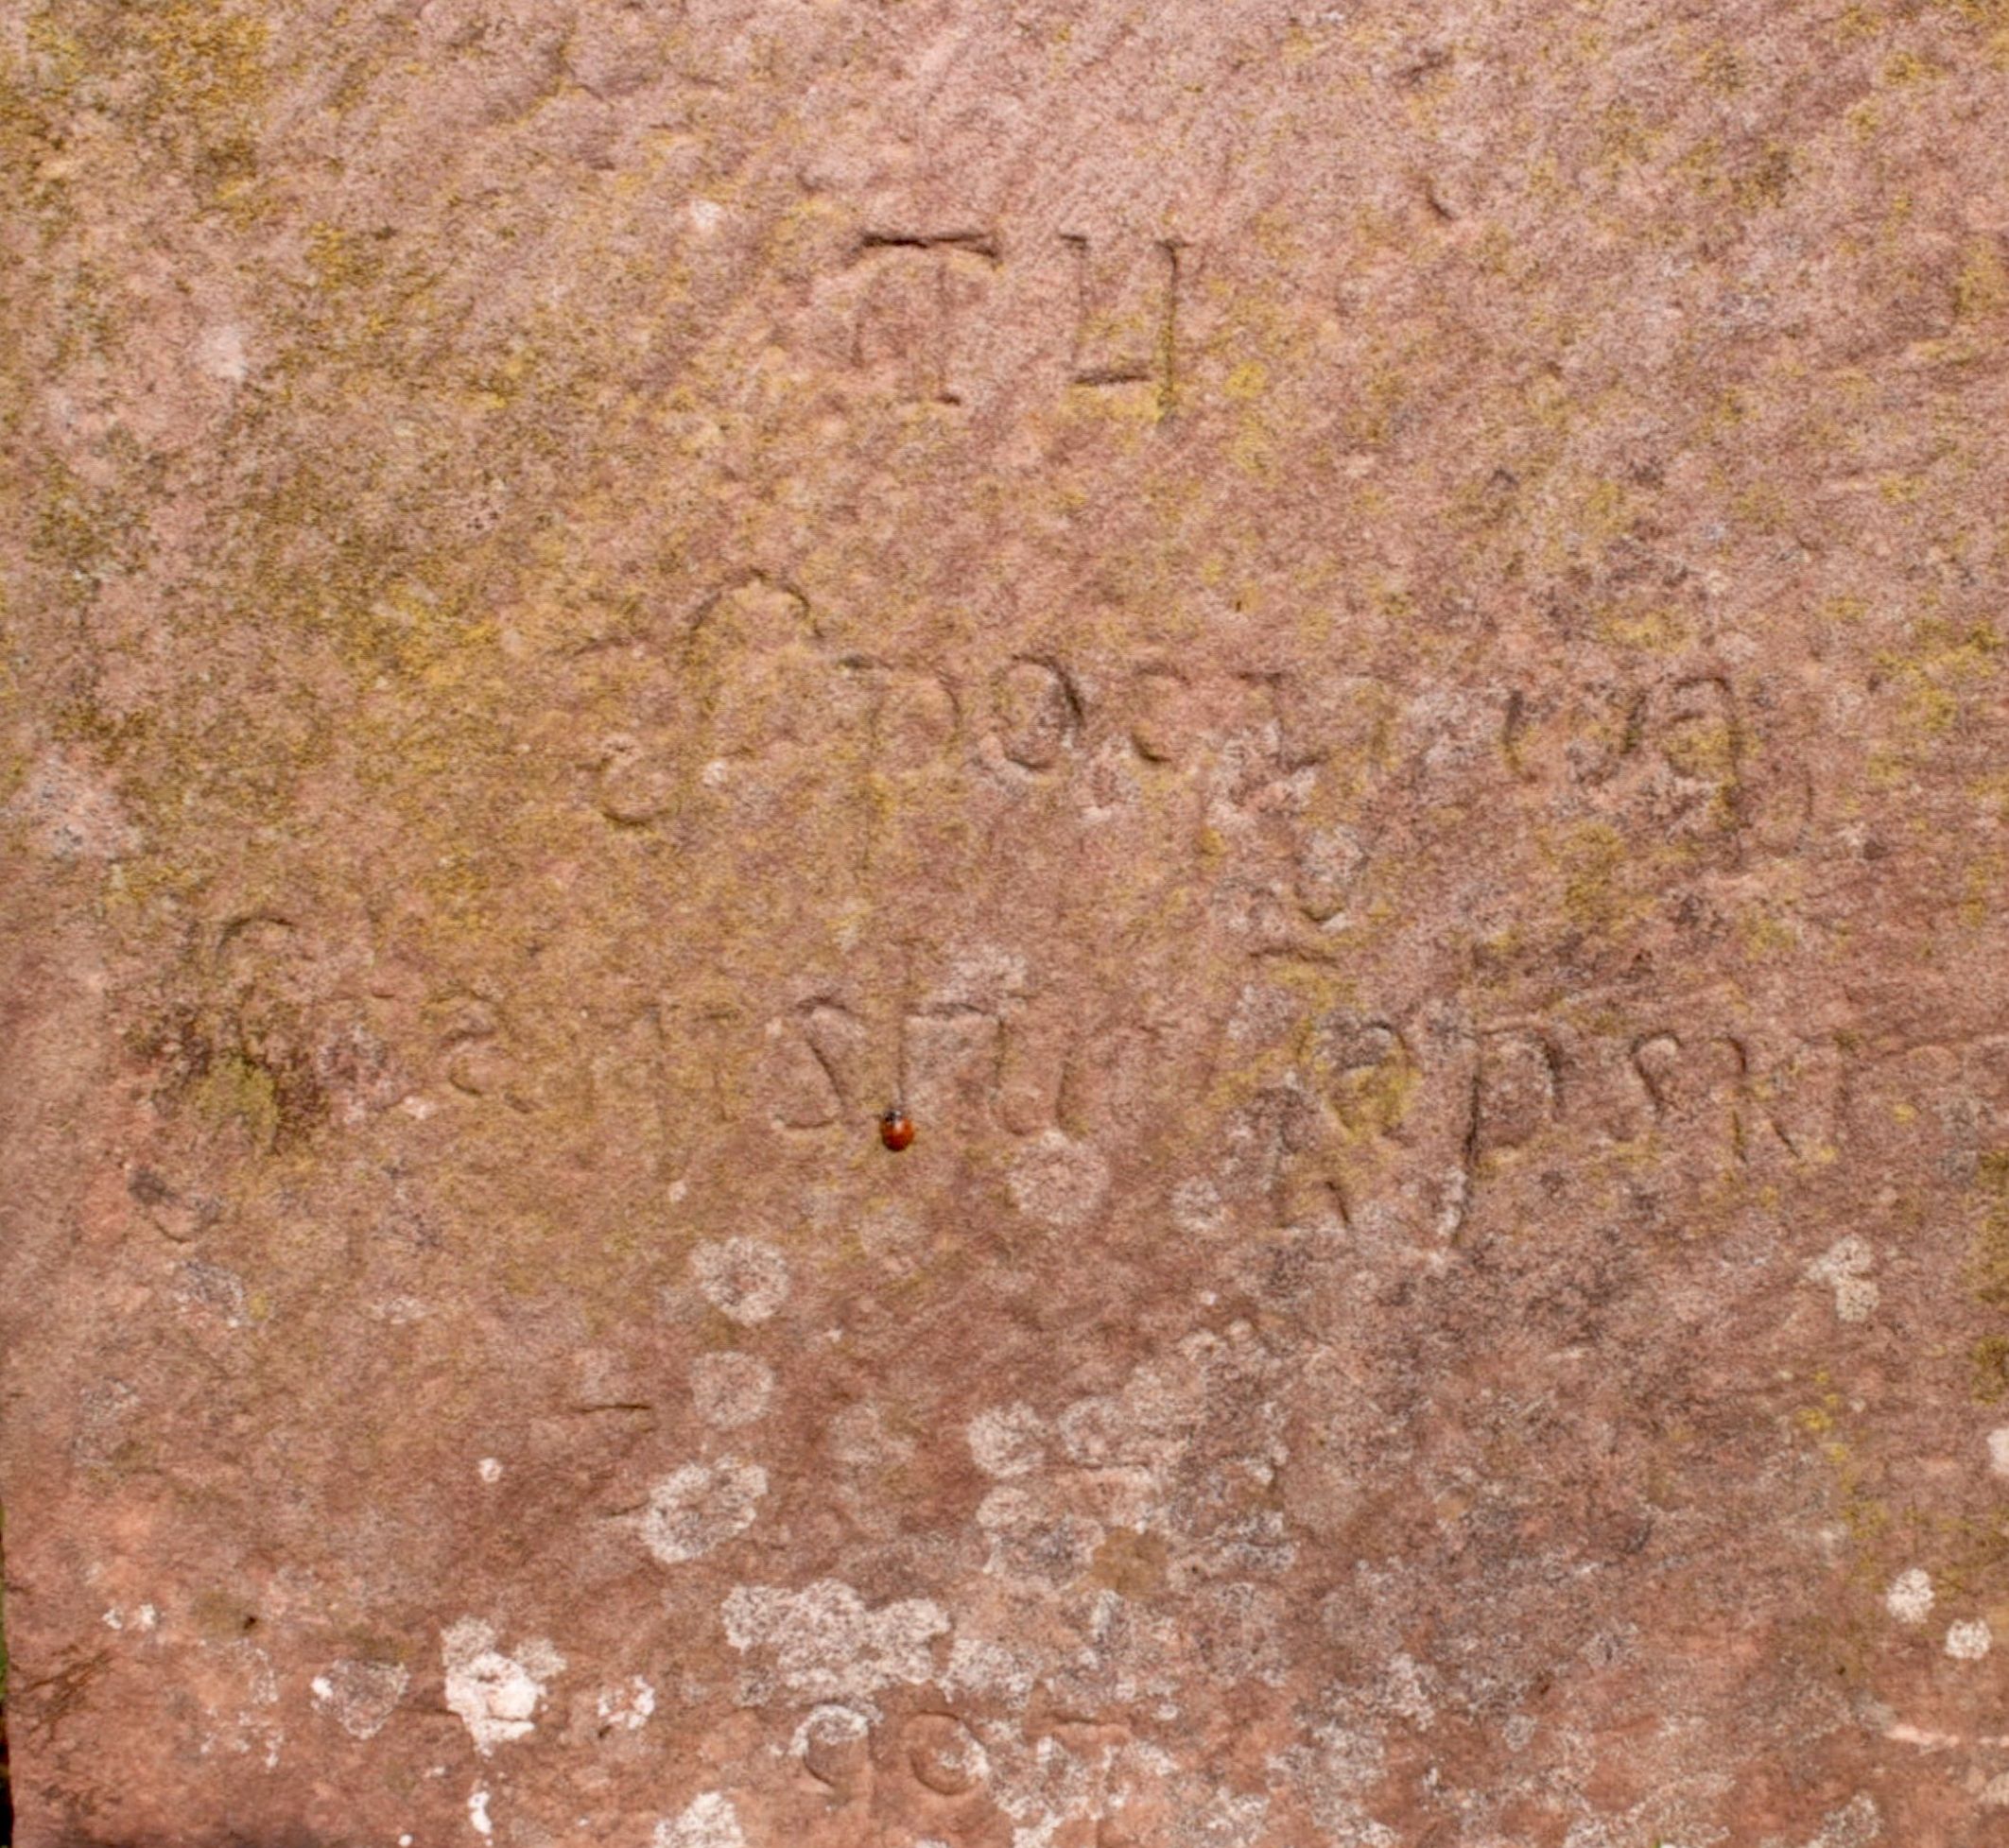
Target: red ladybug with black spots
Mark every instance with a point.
(896, 1129)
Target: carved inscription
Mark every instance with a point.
(1038, 713)
(1126, 315)
(966, 1067)
(920, 290)
(928, 310)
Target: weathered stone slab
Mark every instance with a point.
(1355, 653)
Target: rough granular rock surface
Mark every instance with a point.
(1357, 652)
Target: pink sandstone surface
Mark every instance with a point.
(1356, 649)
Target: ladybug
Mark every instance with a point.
(896, 1129)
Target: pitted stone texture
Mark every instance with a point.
(1355, 649)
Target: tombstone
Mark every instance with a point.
(977, 926)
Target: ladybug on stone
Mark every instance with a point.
(896, 1129)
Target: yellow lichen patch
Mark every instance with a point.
(209, 80)
(236, 1090)
(1371, 1099)
(1721, 68)
(1766, 933)
(1902, 68)
(60, 60)
(1991, 13)
(1983, 287)
(1762, 507)
(1991, 795)
(1655, 630)
(1936, 675)
(1623, 139)
(1702, 746)
(1988, 1248)
(1988, 1369)
(86, 530)
(1591, 858)
(1982, 880)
